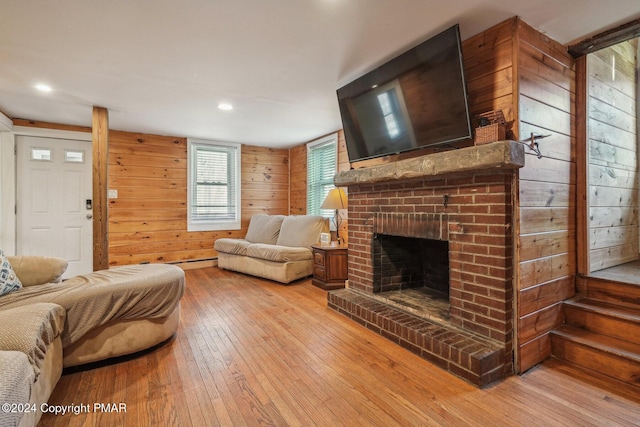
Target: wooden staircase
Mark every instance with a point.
(601, 330)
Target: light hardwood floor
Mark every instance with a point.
(252, 352)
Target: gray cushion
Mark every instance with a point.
(264, 228)
(278, 253)
(302, 230)
(231, 246)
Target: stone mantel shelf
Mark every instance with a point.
(496, 155)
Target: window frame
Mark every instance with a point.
(311, 191)
(195, 224)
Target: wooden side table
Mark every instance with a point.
(329, 266)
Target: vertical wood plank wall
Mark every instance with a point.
(547, 192)
(612, 153)
(148, 220)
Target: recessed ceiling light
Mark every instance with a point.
(43, 88)
(224, 106)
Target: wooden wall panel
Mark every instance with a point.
(535, 325)
(612, 140)
(547, 192)
(298, 190)
(488, 64)
(537, 298)
(148, 220)
(265, 182)
(541, 245)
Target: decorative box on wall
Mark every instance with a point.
(490, 127)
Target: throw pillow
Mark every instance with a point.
(302, 230)
(264, 228)
(9, 282)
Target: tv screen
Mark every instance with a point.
(416, 100)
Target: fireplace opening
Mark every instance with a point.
(412, 273)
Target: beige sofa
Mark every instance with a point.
(276, 247)
(47, 324)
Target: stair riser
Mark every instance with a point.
(595, 359)
(602, 324)
(613, 291)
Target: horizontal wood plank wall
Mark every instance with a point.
(612, 152)
(148, 220)
(298, 189)
(489, 71)
(343, 156)
(265, 182)
(547, 192)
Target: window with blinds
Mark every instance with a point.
(321, 167)
(214, 186)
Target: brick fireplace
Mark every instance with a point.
(456, 209)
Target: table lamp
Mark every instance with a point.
(336, 199)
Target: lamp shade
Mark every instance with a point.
(336, 199)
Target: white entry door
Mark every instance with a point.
(54, 206)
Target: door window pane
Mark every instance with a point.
(73, 156)
(40, 154)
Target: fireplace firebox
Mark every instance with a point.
(401, 263)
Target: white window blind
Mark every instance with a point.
(214, 196)
(321, 167)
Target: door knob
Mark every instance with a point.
(89, 215)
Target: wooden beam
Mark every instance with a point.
(49, 125)
(100, 137)
(501, 154)
(608, 38)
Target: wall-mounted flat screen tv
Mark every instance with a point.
(416, 100)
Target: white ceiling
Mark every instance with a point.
(162, 66)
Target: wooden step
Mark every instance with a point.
(612, 291)
(609, 356)
(606, 318)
